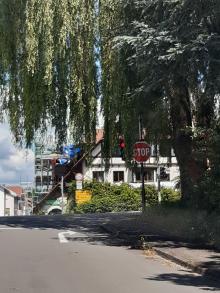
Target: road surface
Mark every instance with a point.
(60, 254)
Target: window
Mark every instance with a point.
(118, 176)
(148, 175)
(98, 176)
(164, 174)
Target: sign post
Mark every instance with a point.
(142, 152)
(79, 181)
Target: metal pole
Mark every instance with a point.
(143, 197)
(32, 204)
(62, 193)
(158, 176)
(158, 185)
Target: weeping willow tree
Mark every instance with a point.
(118, 80)
(48, 67)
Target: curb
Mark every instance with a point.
(168, 256)
(194, 268)
(183, 263)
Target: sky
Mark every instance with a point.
(16, 165)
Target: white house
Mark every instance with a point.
(7, 202)
(118, 172)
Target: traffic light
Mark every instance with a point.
(122, 147)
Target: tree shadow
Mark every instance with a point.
(91, 225)
(93, 230)
(188, 279)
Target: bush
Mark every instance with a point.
(110, 198)
(151, 195)
(118, 198)
(168, 196)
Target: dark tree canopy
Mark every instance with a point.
(168, 54)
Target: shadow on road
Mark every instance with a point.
(187, 279)
(92, 225)
(91, 229)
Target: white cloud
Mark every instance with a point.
(15, 164)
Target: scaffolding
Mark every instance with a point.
(44, 176)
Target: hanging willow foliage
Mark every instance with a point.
(118, 108)
(48, 67)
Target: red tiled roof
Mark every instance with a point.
(16, 189)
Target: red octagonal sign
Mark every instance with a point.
(142, 151)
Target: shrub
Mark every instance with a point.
(151, 195)
(111, 198)
(170, 196)
(118, 198)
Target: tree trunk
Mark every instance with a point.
(181, 120)
(189, 171)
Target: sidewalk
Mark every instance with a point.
(198, 258)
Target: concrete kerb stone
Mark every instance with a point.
(178, 261)
(168, 256)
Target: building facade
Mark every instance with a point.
(165, 168)
(160, 171)
(7, 202)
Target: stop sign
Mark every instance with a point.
(142, 151)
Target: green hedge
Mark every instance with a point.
(110, 198)
(118, 198)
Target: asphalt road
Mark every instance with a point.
(72, 254)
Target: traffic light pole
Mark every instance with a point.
(158, 176)
(143, 196)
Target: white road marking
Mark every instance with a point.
(10, 228)
(62, 237)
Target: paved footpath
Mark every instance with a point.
(72, 254)
(132, 226)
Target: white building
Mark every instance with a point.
(7, 202)
(118, 172)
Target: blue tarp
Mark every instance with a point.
(71, 151)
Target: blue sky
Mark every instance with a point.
(15, 164)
